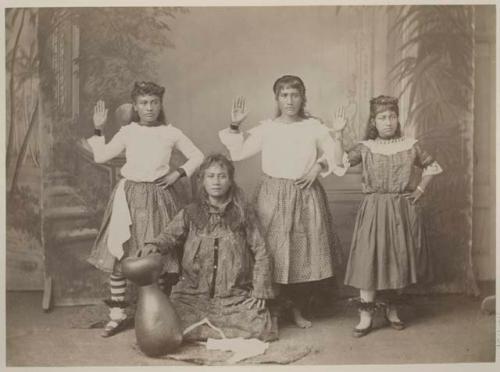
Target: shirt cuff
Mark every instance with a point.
(96, 142)
(341, 170)
(432, 169)
(333, 167)
(230, 139)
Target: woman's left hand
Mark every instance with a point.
(414, 196)
(168, 180)
(260, 303)
(306, 181)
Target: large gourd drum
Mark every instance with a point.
(157, 325)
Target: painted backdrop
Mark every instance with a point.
(205, 57)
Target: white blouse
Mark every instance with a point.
(288, 150)
(147, 150)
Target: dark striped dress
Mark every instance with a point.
(389, 248)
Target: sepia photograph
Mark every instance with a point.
(248, 184)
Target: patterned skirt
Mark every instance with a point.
(389, 249)
(151, 209)
(229, 314)
(298, 229)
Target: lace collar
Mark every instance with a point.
(389, 146)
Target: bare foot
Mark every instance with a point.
(299, 320)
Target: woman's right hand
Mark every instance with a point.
(259, 303)
(147, 250)
(306, 181)
(239, 111)
(100, 114)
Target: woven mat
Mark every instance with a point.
(277, 353)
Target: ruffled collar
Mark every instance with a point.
(389, 146)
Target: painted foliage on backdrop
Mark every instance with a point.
(436, 71)
(436, 67)
(24, 250)
(78, 67)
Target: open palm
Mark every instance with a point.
(339, 120)
(239, 111)
(100, 114)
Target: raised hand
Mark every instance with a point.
(100, 114)
(239, 111)
(339, 120)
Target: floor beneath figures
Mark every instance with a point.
(441, 329)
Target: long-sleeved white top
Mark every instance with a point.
(147, 150)
(288, 150)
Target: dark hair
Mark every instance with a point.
(377, 105)
(291, 81)
(148, 88)
(234, 193)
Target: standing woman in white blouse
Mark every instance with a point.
(291, 205)
(143, 203)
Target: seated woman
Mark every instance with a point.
(226, 269)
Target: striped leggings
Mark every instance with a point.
(118, 285)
